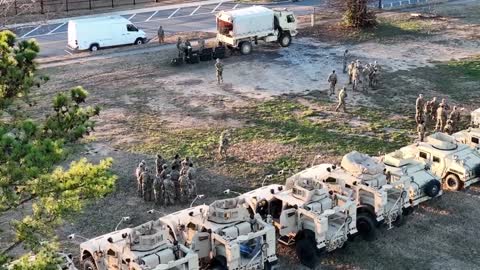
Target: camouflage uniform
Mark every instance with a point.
(174, 176)
(419, 104)
(433, 106)
(192, 177)
(350, 72)
(183, 183)
(332, 79)
(201, 44)
(444, 104)
(341, 100)
(223, 144)
(169, 191)
(455, 118)
(448, 128)
(355, 77)
(139, 174)
(421, 131)
(180, 47)
(159, 162)
(441, 119)
(184, 168)
(219, 69)
(161, 35)
(176, 162)
(346, 55)
(147, 186)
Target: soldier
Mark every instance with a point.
(201, 44)
(158, 189)
(346, 55)
(163, 173)
(355, 77)
(184, 191)
(441, 118)
(147, 186)
(426, 115)
(448, 127)
(350, 72)
(192, 177)
(169, 191)
(421, 131)
(419, 104)
(176, 161)
(174, 176)
(180, 47)
(332, 79)
(433, 106)
(418, 117)
(454, 117)
(184, 168)
(341, 100)
(161, 35)
(219, 69)
(159, 161)
(444, 104)
(224, 142)
(139, 174)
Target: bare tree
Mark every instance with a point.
(356, 13)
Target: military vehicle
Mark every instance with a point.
(416, 177)
(225, 235)
(455, 163)
(475, 121)
(144, 247)
(362, 178)
(306, 215)
(470, 137)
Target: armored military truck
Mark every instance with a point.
(455, 163)
(306, 215)
(362, 178)
(225, 235)
(421, 183)
(144, 247)
(470, 137)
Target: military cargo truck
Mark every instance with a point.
(417, 178)
(144, 247)
(455, 163)
(306, 215)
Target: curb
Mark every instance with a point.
(117, 13)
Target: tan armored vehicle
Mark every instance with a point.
(140, 248)
(225, 235)
(421, 183)
(475, 118)
(456, 164)
(307, 215)
(362, 179)
(470, 137)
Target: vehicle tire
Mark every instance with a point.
(89, 264)
(139, 41)
(219, 263)
(94, 47)
(245, 47)
(432, 188)
(366, 226)
(306, 249)
(452, 182)
(285, 39)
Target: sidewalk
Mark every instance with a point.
(119, 13)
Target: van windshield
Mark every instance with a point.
(131, 28)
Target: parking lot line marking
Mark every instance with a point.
(68, 52)
(133, 15)
(216, 7)
(56, 28)
(234, 7)
(155, 13)
(171, 15)
(29, 32)
(193, 12)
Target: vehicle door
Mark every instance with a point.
(426, 158)
(288, 221)
(437, 164)
(201, 244)
(131, 34)
(112, 260)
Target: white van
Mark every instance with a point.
(95, 33)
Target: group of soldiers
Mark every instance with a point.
(175, 181)
(431, 111)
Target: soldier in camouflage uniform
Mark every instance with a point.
(147, 186)
(444, 104)
(421, 131)
(419, 104)
(169, 191)
(176, 161)
(192, 177)
(346, 55)
(201, 44)
(224, 143)
(448, 128)
(441, 118)
(219, 70)
(350, 72)
(159, 162)
(158, 188)
(341, 100)
(455, 118)
(184, 163)
(139, 174)
(183, 183)
(355, 77)
(332, 79)
(174, 176)
(433, 106)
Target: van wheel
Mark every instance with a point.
(366, 226)
(94, 47)
(432, 188)
(245, 47)
(452, 182)
(306, 249)
(139, 41)
(89, 264)
(285, 39)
